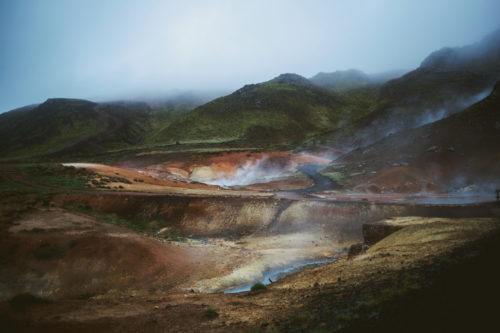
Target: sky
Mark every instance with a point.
(125, 49)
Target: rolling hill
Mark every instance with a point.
(64, 128)
(48, 127)
(287, 109)
(71, 127)
(282, 112)
(341, 81)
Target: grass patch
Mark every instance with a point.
(8, 186)
(174, 235)
(53, 174)
(211, 313)
(258, 286)
(147, 227)
(196, 151)
(57, 175)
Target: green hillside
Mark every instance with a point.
(344, 81)
(341, 80)
(287, 109)
(71, 128)
(49, 127)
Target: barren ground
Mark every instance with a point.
(112, 279)
(72, 262)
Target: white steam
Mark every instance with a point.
(252, 172)
(402, 120)
(430, 116)
(464, 185)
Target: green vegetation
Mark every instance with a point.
(342, 80)
(174, 235)
(8, 186)
(286, 109)
(197, 151)
(48, 127)
(54, 174)
(358, 103)
(147, 227)
(58, 175)
(258, 286)
(211, 313)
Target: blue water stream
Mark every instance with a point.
(276, 274)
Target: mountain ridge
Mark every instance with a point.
(342, 109)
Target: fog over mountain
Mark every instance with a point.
(127, 49)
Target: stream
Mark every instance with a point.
(276, 274)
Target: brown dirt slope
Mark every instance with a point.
(68, 255)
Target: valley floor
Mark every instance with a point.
(130, 248)
(83, 275)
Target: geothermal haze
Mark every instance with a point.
(101, 50)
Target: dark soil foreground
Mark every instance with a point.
(460, 294)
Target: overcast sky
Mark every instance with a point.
(102, 49)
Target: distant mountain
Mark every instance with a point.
(459, 153)
(182, 100)
(448, 74)
(481, 58)
(352, 79)
(341, 80)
